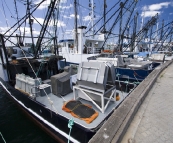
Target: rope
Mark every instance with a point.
(70, 124)
(136, 79)
(118, 75)
(40, 67)
(137, 74)
(127, 82)
(50, 101)
(2, 137)
(136, 83)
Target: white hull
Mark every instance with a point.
(76, 58)
(3, 73)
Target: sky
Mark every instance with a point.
(10, 10)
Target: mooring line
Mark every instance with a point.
(2, 137)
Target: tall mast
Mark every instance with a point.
(51, 8)
(104, 14)
(55, 32)
(75, 23)
(161, 33)
(157, 25)
(30, 21)
(91, 4)
(134, 33)
(120, 29)
(17, 15)
(104, 20)
(92, 18)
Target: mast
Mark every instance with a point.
(17, 15)
(104, 14)
(55, 36)
(157, 25)
(75, 23)
(91, 4)
(128, 33)
(120, 29)
(30, 24)
(104, 18)
(51, 8)
(92, 17)
(151, 31)
(134, 33)
(161, 33)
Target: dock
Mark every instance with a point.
(146, 114)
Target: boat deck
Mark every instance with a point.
(58, 104)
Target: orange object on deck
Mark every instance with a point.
(81, 111)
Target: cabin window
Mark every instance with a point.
(60, 45)
(29, 50)
(90, 44)
(14, 51)
(86, 44)
(69, 45)
(96, 45)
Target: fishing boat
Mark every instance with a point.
(65, 109)
(72, 102)
(70, 105)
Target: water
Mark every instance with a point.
(16, 127)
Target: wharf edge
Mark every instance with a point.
(116, 126)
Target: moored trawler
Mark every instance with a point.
(52, 103)
(72, 102)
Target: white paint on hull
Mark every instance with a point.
(77, 58)
(3, 73)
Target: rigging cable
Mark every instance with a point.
(3, 137)
(17, 15)
(25, 17)
(50, 101)
(5, 15)
(103, 16)
(141, 32)
(62, 19)
(8, 8)
(24, 27)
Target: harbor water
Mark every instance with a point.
(15, 127)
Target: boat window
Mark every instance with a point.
(29, 50)
(86, 43)
(72, 46)
(69, 45)
(90, 44)
(14, 51)
(96, 45)
(60, 45)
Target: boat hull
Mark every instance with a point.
(53, 124)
